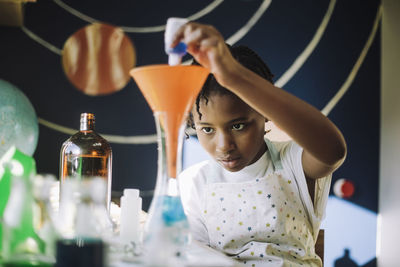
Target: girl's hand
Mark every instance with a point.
(207, 46)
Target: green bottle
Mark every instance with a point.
(21, 246)
(29, 168)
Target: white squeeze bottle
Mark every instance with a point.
(176, 53)
(131, 207)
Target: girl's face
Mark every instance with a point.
(230, 131)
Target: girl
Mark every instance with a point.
(252, 201)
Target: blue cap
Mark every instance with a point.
(180, 49)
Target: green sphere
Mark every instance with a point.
(18, 122)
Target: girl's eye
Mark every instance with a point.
(238, 126)
(207, 130)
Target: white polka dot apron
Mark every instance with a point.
(261, 222)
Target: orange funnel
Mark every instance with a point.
(170, 91)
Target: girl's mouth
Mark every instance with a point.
(230, 163)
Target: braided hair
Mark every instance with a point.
(247, 58)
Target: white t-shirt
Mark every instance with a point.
(193, 181)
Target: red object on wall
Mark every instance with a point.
(343, 188)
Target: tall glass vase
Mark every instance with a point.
(170, 92)
(167, 229)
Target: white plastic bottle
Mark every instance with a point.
(131, 207)
(176, 53)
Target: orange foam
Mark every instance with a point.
(170, 91)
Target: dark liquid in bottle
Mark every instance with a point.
(85, 166)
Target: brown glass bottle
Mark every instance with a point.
(86, 155)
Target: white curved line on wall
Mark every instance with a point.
(298, 63)
(46, 44)
(250, 23)
(117, 139)
(278, 135)
(157, 28)
(343, 89)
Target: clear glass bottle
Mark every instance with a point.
(86, 155)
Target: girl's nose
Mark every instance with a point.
(225, 143)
